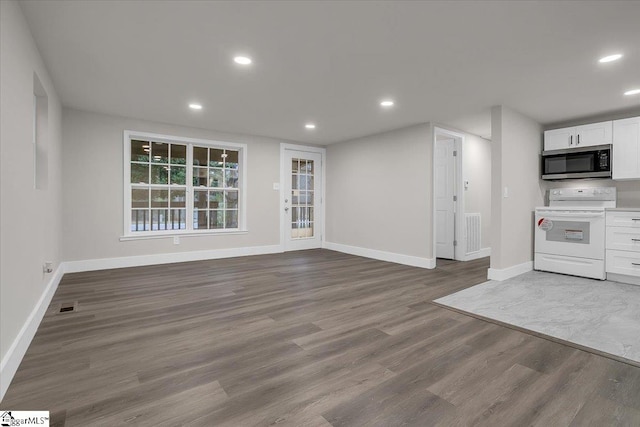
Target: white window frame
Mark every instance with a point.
(190, 142)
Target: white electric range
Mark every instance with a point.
(570, 232)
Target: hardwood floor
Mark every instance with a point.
(311, 338)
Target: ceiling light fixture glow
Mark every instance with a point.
(386, 103)
(242, 60)
(195, 106)
(611, 58)
(310, 126)
(632, 92)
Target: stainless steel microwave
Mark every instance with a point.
(583, 162)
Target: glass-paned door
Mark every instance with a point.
(302, 196)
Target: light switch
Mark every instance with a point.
(276, 186)
(505, 192)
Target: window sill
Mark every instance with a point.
(172, 234)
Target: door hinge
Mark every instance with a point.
(455, 198)
(455, 153)
(455, 243)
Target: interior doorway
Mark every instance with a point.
(448, 196)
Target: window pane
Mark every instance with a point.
(294, 197)
(140, 198)
(306, 166)
(159, 198)
(200, 199)
(178, 154)
(231, 199)
(200, 220)
(178, 219)
(310, 214)
(200, 177)
(139, 151)
(216, 158)
(215, 177)
(216, 219)
(295, 182)
(231, 162)
(160, 219)
(216, 199)
(178, 198)
(294, 166)
(178, 175)
(231, 220)
(294, 214)
(200, 156)
(231, 177)
(139, 173)
(159, 174)
(159, 152)
(139, 219)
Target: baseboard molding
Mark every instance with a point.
(410, 260)
(142, 260)
(482, 253)
(13, 357)
(509, 272)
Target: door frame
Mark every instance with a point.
(458, 231)
(283, 220)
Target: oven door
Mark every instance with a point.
(570, 233)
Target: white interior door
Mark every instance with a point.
(302, 200)
(444, 198)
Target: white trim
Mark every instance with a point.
(167, 258)
(509, 272)
(242, 178)
(181, 233)
(13, 357)
(410, 260)
(459, 230)
(482, 253)
(310, 149)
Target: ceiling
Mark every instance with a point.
(332, 62)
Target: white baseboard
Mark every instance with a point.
(482, 253)
(413, 261)
(13, 357)
(138, 261)
(509, 272)
(623, 278)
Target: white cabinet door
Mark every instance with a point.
(626, 148)
(559, 139)
(594, 134)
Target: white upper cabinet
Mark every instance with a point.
(579, 136)
(626, 148)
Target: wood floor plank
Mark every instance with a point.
(310, 338)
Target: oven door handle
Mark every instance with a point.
(552, 214)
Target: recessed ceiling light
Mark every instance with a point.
(632, 92)
(242, 60)
(611, 58)
(386, 103)
(195, 106)
(310, 126)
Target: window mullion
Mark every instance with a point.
(190, 195)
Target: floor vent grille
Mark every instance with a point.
(68, 307)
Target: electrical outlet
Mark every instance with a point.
(47, 267)
(176, 240)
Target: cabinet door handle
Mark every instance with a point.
(635, 240)
(635, 263)
(578, 143)
(635, 219)
(570, 139)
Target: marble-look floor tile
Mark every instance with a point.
(597, 314)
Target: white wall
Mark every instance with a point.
(379, 192)
(93, 185)
(476, 166)
(30, 218)
(516, 147)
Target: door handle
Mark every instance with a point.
(286, 208)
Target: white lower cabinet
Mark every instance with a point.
(622, 253)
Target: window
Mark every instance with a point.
(179, 185)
